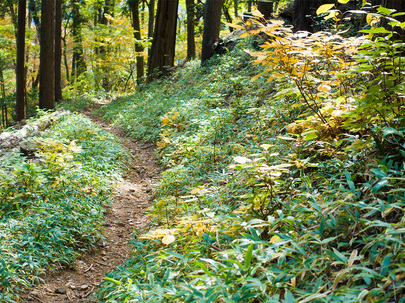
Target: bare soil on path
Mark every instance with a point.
(131, 201)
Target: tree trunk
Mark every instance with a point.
(20, 67)
(151, 9)
(58, 50)
(4, 118)
(136, 24)
(303, 9)
(190, 30)
(266, 8)
(164, 39)
(227, 16)
(103, 49)
(78, 62)
(212, 26)
(235, 8)
(47, 56)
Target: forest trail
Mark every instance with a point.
(131, 201)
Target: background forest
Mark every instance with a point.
(280, 132)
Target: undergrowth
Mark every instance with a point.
(52, 202)
(287, 190)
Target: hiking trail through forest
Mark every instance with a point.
(131, 201)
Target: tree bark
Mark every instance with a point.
(47, 56)
(20, 67)
(212, 26)
(58, 50)
(136, 24)
(190, 30)
(103, 49)
(164, 39)
(151, 9)
(78, 62)
(303, 9)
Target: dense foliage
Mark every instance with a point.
(52, 202)
(284, 190)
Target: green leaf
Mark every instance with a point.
(116, 282)
(343, 1)
(385, 11)
(380, 184)
(289, 298)
(337, 255)
(249, 254)
(377, 30)
(324, 8)
(385, 264)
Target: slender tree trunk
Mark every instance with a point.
(65, 60)
(58, 50)
(235, 8)
(47, 56)
(4, 118)
(134, 7)
(190, 30)
(103, 48)
(227, 16)
(27, 59)
(164, 38)
(78, 62)
(20, 68)
(212, 26)
(151, 9)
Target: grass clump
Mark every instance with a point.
(52, 204)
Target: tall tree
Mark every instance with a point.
(164, 38)
(212, 26)
(103, 49)
(20, 67)
(136, 24)
(78, 62)
(47, 56)
(190, 30)
(303, 10)
(58, 50)
(151, 19)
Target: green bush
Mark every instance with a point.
(51, 206)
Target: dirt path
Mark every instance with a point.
(131, 200)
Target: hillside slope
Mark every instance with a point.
(254, 204)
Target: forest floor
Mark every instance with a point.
(131, 201)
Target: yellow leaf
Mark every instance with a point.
(168, 239)
(331, 15)
(368, 18)
(324, 88)
(275, 239)
(244, 35)
(324, 8)
(257, 14)
(233, 25)
(343, 1)
(257, 76)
